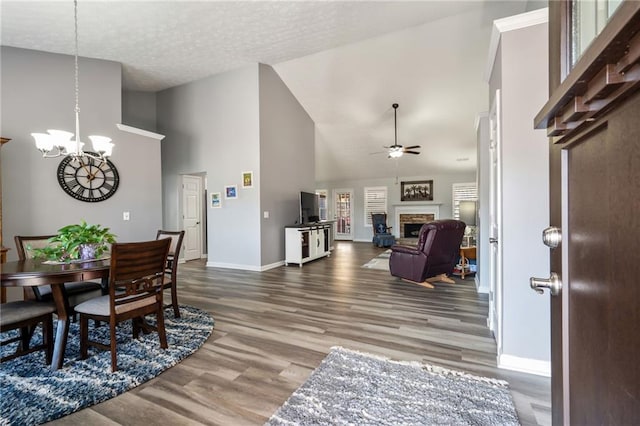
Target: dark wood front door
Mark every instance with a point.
(593, 116)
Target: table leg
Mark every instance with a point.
(62, 329)
(463, 264)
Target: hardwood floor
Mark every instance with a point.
(273, 328)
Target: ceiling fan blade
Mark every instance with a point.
(411, 152)
(412, 147)
(378, 152)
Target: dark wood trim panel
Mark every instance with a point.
(606, 74)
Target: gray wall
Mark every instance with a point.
(212, 127)
(287, 160)
(442, 194)
(38, 94)
(521, 70)
(139, 109)
(222, 126)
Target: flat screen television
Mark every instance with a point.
(309, 207)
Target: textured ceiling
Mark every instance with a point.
(346, 62)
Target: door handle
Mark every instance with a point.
(197, 223)
(552, 236)
(493, 241)
(553, 284)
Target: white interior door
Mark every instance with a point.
(495, 258)
(343, 214)
(192, 216)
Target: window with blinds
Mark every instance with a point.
(375, 201)
(463, 192)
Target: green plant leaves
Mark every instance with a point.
(65, 246)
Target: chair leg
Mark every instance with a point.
(174, 300)
(25, 338)
(114, 356)
(136, 325)
(423, 284)
(160, 326)
(84, 336)
(441, 278)
(47, 336)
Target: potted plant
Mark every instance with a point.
(77, 241)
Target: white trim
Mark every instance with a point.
(140, 132)
(525, 365)
(511, 23)
(244, 267)
(479, 117)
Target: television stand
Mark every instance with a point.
(307, 242)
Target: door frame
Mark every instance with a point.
(495, 222)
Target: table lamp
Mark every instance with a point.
(468, 216)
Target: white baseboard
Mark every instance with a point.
(244, 267)
(525, 365)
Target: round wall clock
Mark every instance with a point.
(87, 179)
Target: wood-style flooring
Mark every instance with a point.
(273, 328)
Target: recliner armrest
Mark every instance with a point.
(405, 249)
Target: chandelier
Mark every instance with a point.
(58, 143)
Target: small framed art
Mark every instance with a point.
(231, 191)
(247, 180)
(216, 200)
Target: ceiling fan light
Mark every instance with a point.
(395, 152)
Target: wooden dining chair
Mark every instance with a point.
(170, 281)
(25, 315)
(77, 292)
(136, 283)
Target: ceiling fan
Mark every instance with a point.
(396, 150)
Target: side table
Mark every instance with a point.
(466, 253)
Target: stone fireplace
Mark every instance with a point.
(409, 219)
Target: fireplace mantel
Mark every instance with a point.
(414, 208)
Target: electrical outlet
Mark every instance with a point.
(265, 214)
(125, 216)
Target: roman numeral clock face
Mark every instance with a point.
(86, 179)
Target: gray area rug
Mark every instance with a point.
(380, 262)
(31, 393)
(353, 388)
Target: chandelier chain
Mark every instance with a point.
(58, 143)
(75, 21)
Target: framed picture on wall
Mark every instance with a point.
(247, 179)
(231, 191)
(417, 190)
(216, 200)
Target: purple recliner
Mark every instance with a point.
(436, 253)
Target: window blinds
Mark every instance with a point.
(375, 201)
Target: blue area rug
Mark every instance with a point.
(353, 388)
(32, 393)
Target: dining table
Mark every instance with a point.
(35, 272)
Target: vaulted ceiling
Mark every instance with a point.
(346, 62)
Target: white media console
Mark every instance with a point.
(304, 243)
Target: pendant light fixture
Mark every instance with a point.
(58, 143)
